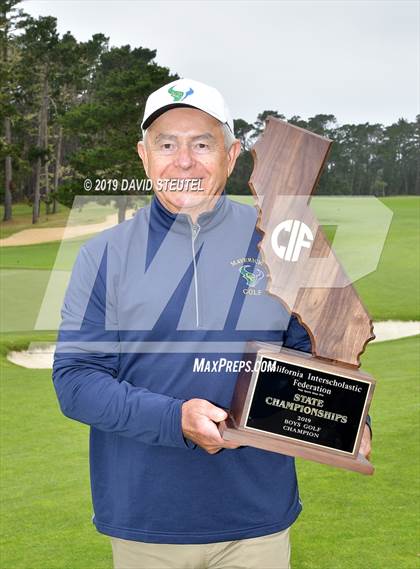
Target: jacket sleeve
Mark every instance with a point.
(86, 368)
(296, 337)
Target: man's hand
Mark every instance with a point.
(199, 424)
(365, 445)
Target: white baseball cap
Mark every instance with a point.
(186, 93)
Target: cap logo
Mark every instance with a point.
(179, 95)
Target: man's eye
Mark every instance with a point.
(167, 146)
(201, 146)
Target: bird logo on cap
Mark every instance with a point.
(179, 95)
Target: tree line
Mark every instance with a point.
(71, 110)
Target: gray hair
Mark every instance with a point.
(228, 136)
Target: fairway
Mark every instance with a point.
(46, 507)
(390, 292)
(348, 521)
(42, 255)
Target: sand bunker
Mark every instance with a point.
(41, 356)
(47, 234)
(394, 329)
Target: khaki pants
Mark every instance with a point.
(266, 552)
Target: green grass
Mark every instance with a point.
(42, 256)
(46, 505)
(392, 291)
(352, 521)
(22, 293)
(349, 521)
(22, 217)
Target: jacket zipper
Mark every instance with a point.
(195, 229)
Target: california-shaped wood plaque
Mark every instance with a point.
(315, 405)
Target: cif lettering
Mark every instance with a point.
(300, 237)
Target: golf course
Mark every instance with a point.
(349, 521)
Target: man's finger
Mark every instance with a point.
(212, 450)
(365, 445)
(216, 414)
(230, 444)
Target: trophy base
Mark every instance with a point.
(296, 404)
(243, 436)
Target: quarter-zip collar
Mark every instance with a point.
(163, 219)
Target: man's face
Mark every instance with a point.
(186, 143)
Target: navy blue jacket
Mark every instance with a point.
(146, 301)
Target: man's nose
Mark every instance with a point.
(184, 158)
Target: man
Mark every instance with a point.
(155, 309)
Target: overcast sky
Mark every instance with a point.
(358, 60)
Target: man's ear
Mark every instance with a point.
(233, 154)
(141, 149)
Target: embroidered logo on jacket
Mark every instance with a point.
(252, 278)
(252, 273)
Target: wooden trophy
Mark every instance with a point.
(310, 406)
